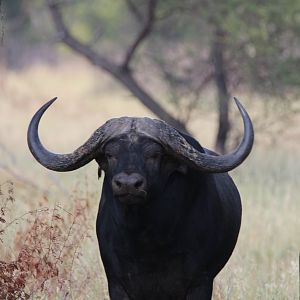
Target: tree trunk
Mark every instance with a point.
(218, 47)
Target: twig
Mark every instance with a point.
(145, 31)
(73, 258)
(135, 11)
(97, 34)
(31, 212)
(65, 241)
(57, 205)
(75, 44)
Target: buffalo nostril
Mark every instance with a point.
(118, 183)
(138, 183)
(124, 183)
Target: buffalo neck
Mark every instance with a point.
(157, 220)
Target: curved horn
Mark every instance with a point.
(61, 162)
(178, 146)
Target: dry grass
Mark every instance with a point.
(39, 206)
(44, 250)
(265, 261)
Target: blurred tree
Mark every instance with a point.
(17, 25)
(237, 45)
(186, 46)
(122, 70)
(24, 30)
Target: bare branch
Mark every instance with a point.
(120, 72)
(97, 34)
(75, 44)
(145, 31)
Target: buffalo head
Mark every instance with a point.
(136, 165)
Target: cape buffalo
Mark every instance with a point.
(169, 214)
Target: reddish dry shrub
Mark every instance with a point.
(47, 249)
(12, 282)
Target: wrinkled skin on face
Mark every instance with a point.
(137, 168)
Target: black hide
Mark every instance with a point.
(172, 244)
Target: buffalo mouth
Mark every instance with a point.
(131, 199)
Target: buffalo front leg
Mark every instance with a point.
(116, 291)
(203, 292)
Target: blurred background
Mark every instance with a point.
(180, 61)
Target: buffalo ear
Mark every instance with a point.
(99, 172)
(172, 164)
(100, 163)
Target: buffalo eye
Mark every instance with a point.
(152, 152)
(110, 156)
(153, 157)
